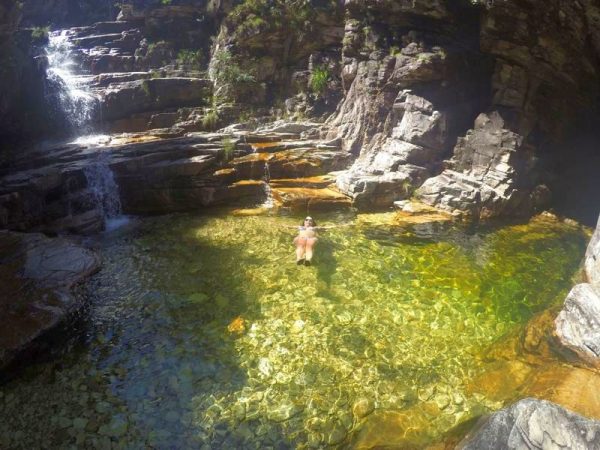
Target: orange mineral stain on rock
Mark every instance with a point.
(576, 389)
(237, 325)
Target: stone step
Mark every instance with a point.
(295, 163)
(310, 199)
(100, 28)
(317, 182)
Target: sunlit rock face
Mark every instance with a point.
(488, 176)
(534, 423)
(523, 72)
(578, 324)
(413, 83)
(48, 267)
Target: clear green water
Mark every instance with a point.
(388, 318)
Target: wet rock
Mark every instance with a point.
(49, 267)
(116, 428)
(578, 324)
(532, 423)
(283, 412)
(362, 408)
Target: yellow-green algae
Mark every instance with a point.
(203, 332)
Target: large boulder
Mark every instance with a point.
(487, 176)
(578, 324)
(592, 260)
(36, 274)
(532, 423)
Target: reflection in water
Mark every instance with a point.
(204, 333)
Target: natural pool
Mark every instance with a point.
(203, 333)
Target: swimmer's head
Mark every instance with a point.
(310, 221)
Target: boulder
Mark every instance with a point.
(578, 323)
(487, 175)
(532, 423)
(592, 260)
(36, 274)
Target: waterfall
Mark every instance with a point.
(76, 100)
(104, 188)
(269, 201)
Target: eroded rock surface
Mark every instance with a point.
(488, 175)
(36, 274)
(532, 423)
(592, 259)
(577, 326)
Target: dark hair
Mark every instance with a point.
(312, 220)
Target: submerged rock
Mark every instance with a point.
(532, 423)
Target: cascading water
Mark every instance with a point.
(78, 103)
(269, 201)
(102, 184)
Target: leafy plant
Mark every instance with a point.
(189, 57)
(228, 149)
(210, 120)
(225, 68)
(40, 33)
(319, 78)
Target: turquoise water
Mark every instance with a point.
(202, 332)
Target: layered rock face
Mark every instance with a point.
(578, 323)
(280, 54)
(413, 83)
(75, 187)
(532, 423)
(137, 84)
(543, 68)
(528, 77)
(24, 113)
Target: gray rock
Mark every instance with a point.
(578, 323)
(482, 179)
(592, 259)
(530, 424)
(48, 267)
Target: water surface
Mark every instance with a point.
(204, 333)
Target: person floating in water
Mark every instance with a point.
(305, 241)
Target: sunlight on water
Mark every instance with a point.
(204, 333)
(76, 99)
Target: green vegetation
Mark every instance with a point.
(394, 50)
(228, 149)
(319, 79)
(166, 2)
(226, 69)
(210, 120)
(146, 87)
(40, 33)
(190, 58)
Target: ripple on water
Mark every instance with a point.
(203, 331)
